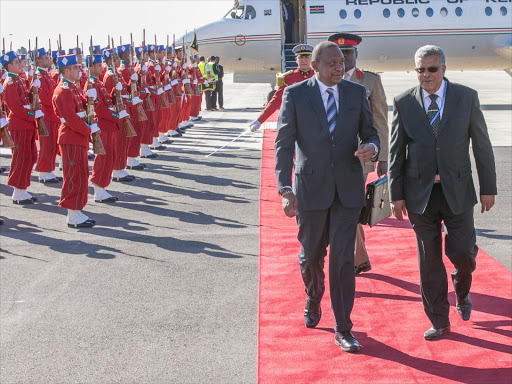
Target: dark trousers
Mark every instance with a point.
(208, 99)
(460, 247)
(335, 226)
(220, 93)
(214, 97)
(288, 31)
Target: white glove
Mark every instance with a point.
(147, 90)
(174, 82)
(167, 87)
(205, 82)
(159, 91)
(38, 114)
(134, 77)
(36, 83)
(3, 122)
(158, 68)
(91, 93)
(4, 75)
(94, 128)
(194, 65)
(168, 68)
(175, 65)
(136, 100)
(80, 74)
(119, 86)
(1, 88)
(195, 81)
(185, 66)
(144, 68)
(255, 125)
(31, 73)
(123, 114)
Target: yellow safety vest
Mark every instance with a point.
(201, 67)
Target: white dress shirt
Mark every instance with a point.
(348, 74)
(325, 94)
(441, 94)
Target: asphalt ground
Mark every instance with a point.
(164, 288)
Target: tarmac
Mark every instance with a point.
(164, 288)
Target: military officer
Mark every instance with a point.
(47, 144)
(304, 71)
(22, 126)
(377, 99)
(73, 141)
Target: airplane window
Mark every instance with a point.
(400, 12)
(357, 13)
(488, 11)
(503, 11)
(236, 13)
(458, 11)
(444, 12)
(250, 12)
(386, 13)
(415, 12)
(343, 14)
(430, 12)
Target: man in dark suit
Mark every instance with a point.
(219, 70)
(288, 11)
(327, 124)
(430, 177)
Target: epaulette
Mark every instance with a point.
(280, 77)
(367, 71)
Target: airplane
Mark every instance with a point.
(250, 39)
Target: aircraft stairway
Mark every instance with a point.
(289, 57)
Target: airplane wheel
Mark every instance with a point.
(270, 94)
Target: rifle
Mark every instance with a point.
(164, 103)
(141, 115)
(170, 92)
(186, 85)
(179, 93)
(125, 121)
(97, 144)
(148, 104)
(42, 130)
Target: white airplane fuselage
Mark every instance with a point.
(475, 34)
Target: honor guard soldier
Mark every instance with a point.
(23, 62)
(108, 122)
(107, 59)
(83, 73)
(22, 126)
(164, 114)
(47, 144)
(304, 71)
(377, 99)
(156, 92)
(74, 133)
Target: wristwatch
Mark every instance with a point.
(283, 190)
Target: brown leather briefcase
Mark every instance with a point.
(377, 202)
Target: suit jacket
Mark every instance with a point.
(323, 166)
(416, 155)
(377, 98)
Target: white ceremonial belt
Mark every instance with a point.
(111, 108)
(26, 106)
(125, 96)
(81, 114)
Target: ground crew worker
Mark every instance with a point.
(73, 141)
(22, 126)
(304, 71)
(377, 99)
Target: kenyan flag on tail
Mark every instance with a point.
(316, 9)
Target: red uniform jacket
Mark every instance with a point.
(275, 102)
(67, 102)
(104, 109)
(17, 99)
(46, 90)
(108, 82)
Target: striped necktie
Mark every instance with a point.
(332, 112)
(433, 111)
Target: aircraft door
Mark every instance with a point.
(302, 22)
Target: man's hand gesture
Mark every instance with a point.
(290, 204)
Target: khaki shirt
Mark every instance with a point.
(377, 99)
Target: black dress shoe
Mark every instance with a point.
(159, 148)
(3, 169)
(312, 313)
(347, 341)
(436, 333)
(137, 167)
(111, 199)
(152, 156)
(464, 307)
(32, 200)
(365, 267)
(51, 181)
(168, 141)
(128, 178)
(86, 224)
(177, 135)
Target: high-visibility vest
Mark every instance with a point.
(201, 67)
(215, 76)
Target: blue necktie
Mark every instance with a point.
(332, 112)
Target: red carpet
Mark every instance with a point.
(388, 315)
